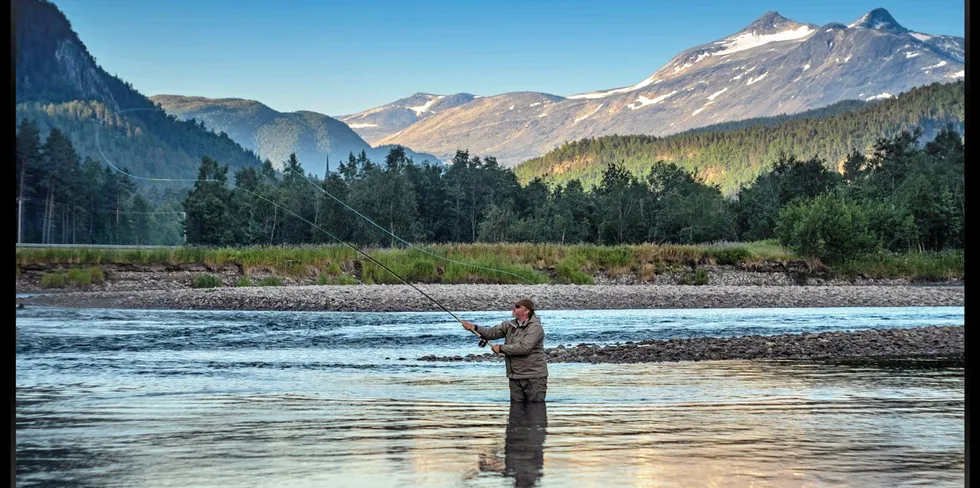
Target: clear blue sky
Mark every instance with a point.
(340, 57)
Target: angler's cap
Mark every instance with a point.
(526, 303)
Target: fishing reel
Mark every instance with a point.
(483, 342)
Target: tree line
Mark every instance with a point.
(64, 200)
(150, 141)
(733, 154)
(901, 196)
(904, 196)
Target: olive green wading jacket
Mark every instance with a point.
(523, 347)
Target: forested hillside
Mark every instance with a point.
(732, 158)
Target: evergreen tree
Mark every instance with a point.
(28, 161)
(60, 164)
(297, 195)
(620, 198)
(143, 220)
(206, 206)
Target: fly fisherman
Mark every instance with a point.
(523, 351)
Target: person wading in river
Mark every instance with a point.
(523, 350)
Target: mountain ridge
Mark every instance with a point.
(317, 139)
(59, 84)
(376, 123)
(733, 153)
(773, 65)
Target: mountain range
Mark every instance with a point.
(273, 135)
(772, 66)
(731, 155)
(379, 122)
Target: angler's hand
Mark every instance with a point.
(470, 326)
(495, 348)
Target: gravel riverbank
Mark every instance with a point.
(935, 343)
(389, 298)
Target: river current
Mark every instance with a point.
(155, 398)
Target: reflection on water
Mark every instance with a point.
(523, 454)
(731, 423)
(121, 401)
(527, 427)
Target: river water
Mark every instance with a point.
(136, 398)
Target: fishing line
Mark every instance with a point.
(483, 342)
(392, 234)
(98, 146)
(352, 209)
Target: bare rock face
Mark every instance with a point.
(59, 84)
(79, 71)
(51, 63)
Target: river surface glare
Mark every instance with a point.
(138, 398)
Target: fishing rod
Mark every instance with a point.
(392, 234)
(482, 343)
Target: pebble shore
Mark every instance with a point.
(933, 343)
(473, 297)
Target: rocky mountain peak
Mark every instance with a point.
(878, 19)
(770, 22)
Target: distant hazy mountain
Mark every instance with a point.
(274, 135)
(379, 122)
(773, 66)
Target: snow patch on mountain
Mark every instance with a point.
(678, 69)
(579, 119)
(643, 101)
(603, 94)
(719, 92)
(880, 96)
(420, 109)
(757, 78)
(750, 40)
(858, 21)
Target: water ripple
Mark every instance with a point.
(119, 398)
